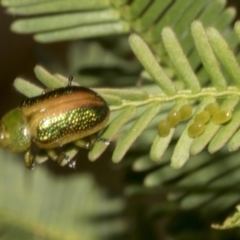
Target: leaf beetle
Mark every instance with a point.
(52, 120)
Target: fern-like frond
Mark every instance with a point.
(208, 183)
(66, 20)
(124, 103)
(211, 47)
(195, 65)
(135, 114)
(83, 19)
(68, 219)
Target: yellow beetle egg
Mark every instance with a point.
(174, 118)
(202, 117)
(212, 108)
(196, 129)
(164, 128)
(185, 111)
(222, 116)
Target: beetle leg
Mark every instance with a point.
(29, 160)
(45, 90)
(61, 158)
(89, 142)
(70, 80)
(71, 151)
(84, 143)
(41, 157)
(104, 140)
(65, 157)
(72, 163)
(52, 154)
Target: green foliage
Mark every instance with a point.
(102, 19)
(185, 61)
(53, 206)
(125, 101)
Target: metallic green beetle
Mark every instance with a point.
(52, 120)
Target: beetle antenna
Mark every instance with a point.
(70, 80)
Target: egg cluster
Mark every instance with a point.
(173, 119)
(211, 111)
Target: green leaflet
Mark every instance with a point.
(135, 131)
(111, 131)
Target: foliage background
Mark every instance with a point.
(19, 54)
